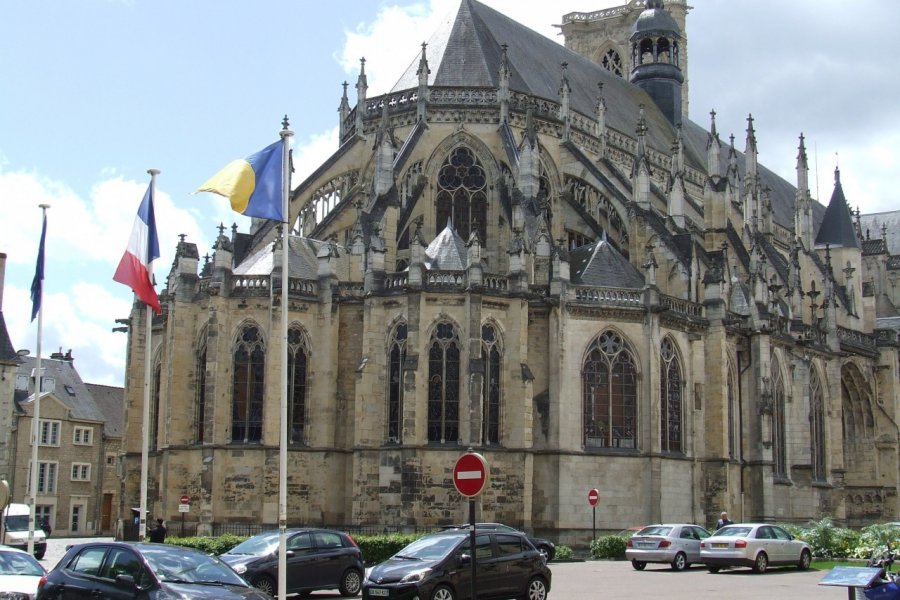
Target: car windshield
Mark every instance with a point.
(430, 547)
(732, 531)
(19, 563)
(182, 565)
(654, 530)
(17, 523)
(264, 543)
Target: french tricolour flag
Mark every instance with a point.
(143, 248)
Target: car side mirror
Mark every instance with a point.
(463, 559)
(289, 553)
(125, 581)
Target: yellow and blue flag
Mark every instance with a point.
(254, 185)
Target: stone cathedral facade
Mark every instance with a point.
(530, 250)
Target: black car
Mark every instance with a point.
(439, 567)
(119, 571)
(317, 559)
(545, 547)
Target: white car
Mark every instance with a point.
(19, 573)
(755, 545)
(676, 544)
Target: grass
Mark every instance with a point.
(826, 565)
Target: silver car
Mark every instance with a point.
(755, 545)
(677, 544)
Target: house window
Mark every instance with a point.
(462, 195)
(50, 433)
(81, 472)
(670, 401)
(396, 358)
(609, 394)
(816, 425)
(248, 386)
(443, 385)
(298, 365)
(83, 436)
(43, 513)
(491, 384)
(110, 460)
(46, 477)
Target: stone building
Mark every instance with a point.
(573, 279)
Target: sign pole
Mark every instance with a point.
(470, 477)
(593, 499)
(472, 542)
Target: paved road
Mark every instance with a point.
(616, 579)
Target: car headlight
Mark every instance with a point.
(368, 572)
(15, 596)
(240, 569)
(416, 576)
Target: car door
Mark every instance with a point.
(700, 534)
(515, 556)
(765, 543)
(489, 571)
(82, 575)
(788, 549)
(689, 543)
(120, 561)
(330, 558)
(301, 563)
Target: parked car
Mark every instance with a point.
(545, 547)
(20, 574)
(16, 519)
(123, 570)
(317, 559)
(630, 531)
(677, 544)
(438, 567)
(755, 545)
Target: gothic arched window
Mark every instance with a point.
(443, 385)
(612, 62)
(734, 438)
(670, 399)
(154, 406)
(491, 358)
(609, 394)
(298, 369)
(248, 386)
(779, 437)
(462, 194)
(200, 396)
(816, 425)
(396, 358)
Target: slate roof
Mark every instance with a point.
(466, 51)
(302, 262)
(7, 352)
(446, 252)
(69, 388)
(600, 264)
(837, 224)
(111, 402)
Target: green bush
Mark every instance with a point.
(210, 545)
(609, 547)
(563, 553)
(378, 548)
(826, 540)
(874, 539)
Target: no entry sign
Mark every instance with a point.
(470, 474)
(593, 497)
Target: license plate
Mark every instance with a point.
(647, 545)
(379, 592)
(720, 545)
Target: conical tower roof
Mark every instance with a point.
(837, 224)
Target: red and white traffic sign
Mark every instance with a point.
(470, 474)
(593, 497)
(185, 499)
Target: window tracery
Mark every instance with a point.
(443, 385)
(462, 194)
(612, 62)
(609, 393)
(396, 358)
(816, 425)
(779, 437)
(200, 396)
(491, 358)
(248, 383)
(671, 401)
(298, 371)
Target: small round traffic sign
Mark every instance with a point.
(593, 497)
(470, 474)
(185, 499)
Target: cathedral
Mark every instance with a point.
(529, 250)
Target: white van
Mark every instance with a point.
(15, 530)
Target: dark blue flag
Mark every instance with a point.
(37, 285)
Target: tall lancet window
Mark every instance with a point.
(200, 396)
(734, 437)
(670, 399)
(779, 437)
(248, 386)
(816, 425)
(491, 357)
(396, 358)
(462, 194)
(443, 385)
(154, 405)
(298, 365)
(609, 394)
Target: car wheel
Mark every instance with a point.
(442, 592)
(266, 584)
(713, 569)
(545, 552)
(638, 565)
(805, 559)
(39, 554)
(537, 589)
(761, 563)
(679, 563)
(350, 582)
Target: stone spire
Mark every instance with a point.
(602, 132)
(803, 216)
(565, 91)
(713, 148)
(423, 94)
(362, 86)
(640, 170)
(503, 84)
(343, 112)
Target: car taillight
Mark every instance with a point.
(352, 540)
(665, 544)
(740, 543)
(703, 544)
(42, 582)
(629, 543)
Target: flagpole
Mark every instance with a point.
(145, 424)
(283, 442)
(36, 417)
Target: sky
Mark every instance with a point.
(93, 93)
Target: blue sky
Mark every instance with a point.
(95, 92)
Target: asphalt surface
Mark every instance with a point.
(590, 580)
